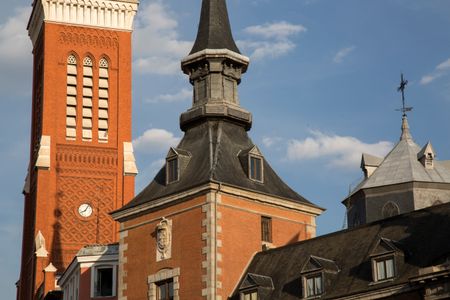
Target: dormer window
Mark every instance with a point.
(313, 285)
(384, 268)
(172, 170)
(176, 162)
(255, 286)
(313, 272)
(383, 259)
(252, 163)
(426, 156)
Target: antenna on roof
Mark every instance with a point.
(402, 88)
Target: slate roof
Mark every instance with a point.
(402, 165)
(214, 147)
(214, 31)
(423, 237)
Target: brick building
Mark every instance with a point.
(81, 159)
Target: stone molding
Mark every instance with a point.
(164, 275)
(108, 14)
(129, 161)
(123, 246)
(211, 250)
(43, 157)
(164, 240)
(39, 241)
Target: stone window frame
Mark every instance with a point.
(310, 275)
(94, 269)
(163, 275)
(388, 209)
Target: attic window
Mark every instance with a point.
(384, 268)
(172, 170)
(313, 285)
(255, 168)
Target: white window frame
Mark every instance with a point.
(383, 258)
(94, 270)
(305, 285)
(249, 292)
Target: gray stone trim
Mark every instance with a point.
(211, 271)
(122, 286)
(164, 275)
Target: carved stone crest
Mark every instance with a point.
(164, 240)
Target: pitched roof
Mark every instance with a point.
(402, 165)
(214, 30)
(351, 251)
(214, 147)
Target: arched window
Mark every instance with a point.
(103, 99)
(87, 98)
(71, 99)
(390, 209)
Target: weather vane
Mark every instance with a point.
(402, 88)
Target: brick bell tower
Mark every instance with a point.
(81, 160)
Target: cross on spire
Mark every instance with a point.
(402, 88)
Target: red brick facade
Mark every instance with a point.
(79, 171)
(214, 235)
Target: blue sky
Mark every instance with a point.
(321, 86)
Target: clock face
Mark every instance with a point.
(85, 210)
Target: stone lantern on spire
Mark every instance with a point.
(215, 67)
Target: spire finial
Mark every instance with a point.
(406, 134)
(214, 30)
(402, 88)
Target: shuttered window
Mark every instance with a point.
(88, 85)
(103, 99)
(71, 98)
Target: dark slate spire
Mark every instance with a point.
(214, 31)
(215, 68)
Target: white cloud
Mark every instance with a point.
(15, 52)
(158, 48)
(184, 94)
(264, 49)
(444, 65)
(341, 151)
(440, 70)
(270, 39)
(341, 54)
(155, 141)
(269, 141)
(279, 30)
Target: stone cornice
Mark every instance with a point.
(107, 14)
(221, 188)
(214, 53)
